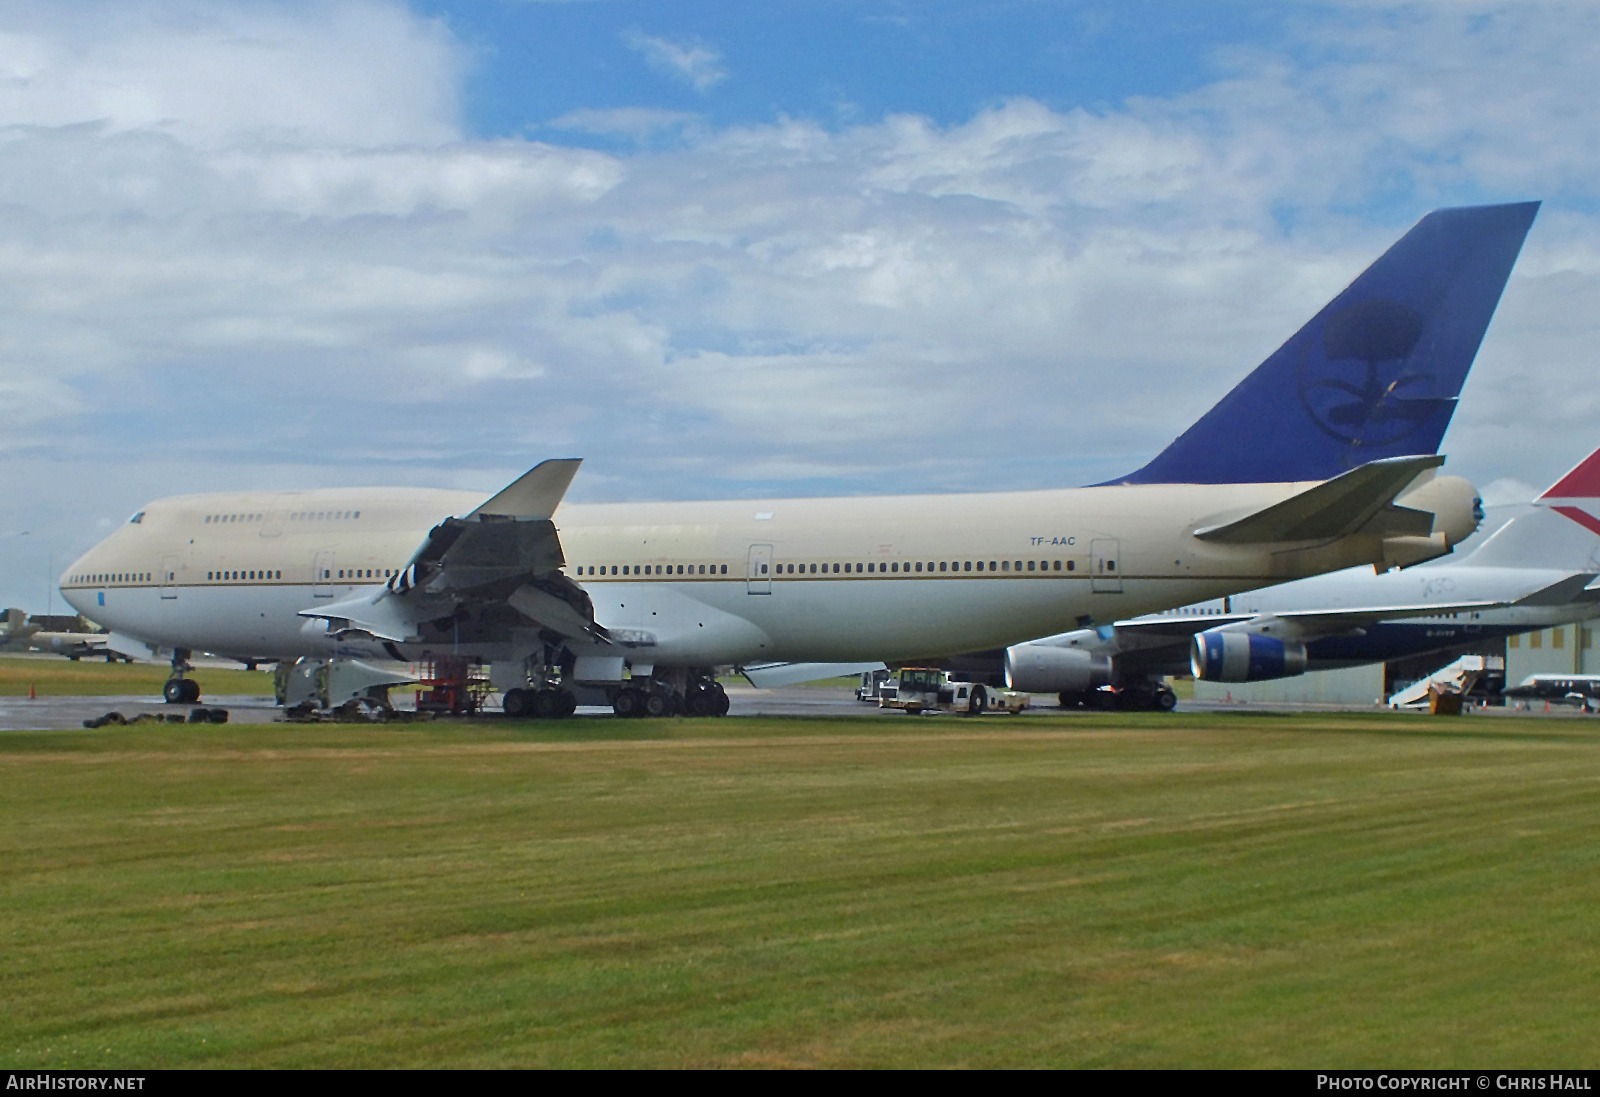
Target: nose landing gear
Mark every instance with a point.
(180, 690)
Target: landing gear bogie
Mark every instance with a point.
(658, 698)
(540, 704)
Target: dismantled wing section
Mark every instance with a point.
(1340, 507)
(506, 552)
(773, 675)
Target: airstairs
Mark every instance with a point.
(1458, 677)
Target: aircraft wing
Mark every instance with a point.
(507, 552)
(1160, 643)
(1310, 624)
(1303, 624)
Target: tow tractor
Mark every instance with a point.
(929, 689)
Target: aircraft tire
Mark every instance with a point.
(569, 703)
(172, 692)
(627, 703)
(978, 704)
(721, 706)
(191, 690)
(657, 705)
(1166, 700)
(515, 703)
(547, 704)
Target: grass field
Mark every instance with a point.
(61, 677)
(1313, 890)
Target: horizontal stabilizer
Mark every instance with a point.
(1574, 588)
(534, 494)
(773, 675)
(1336, 508)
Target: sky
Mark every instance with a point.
(722, 250)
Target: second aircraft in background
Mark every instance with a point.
(1532, 572)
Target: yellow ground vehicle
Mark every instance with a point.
(929, 689)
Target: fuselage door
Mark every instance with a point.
(758, 579)
(169, 576)
(273, 525)
(1104, 569)
(322, 575)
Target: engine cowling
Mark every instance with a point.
(1036, 668)
(1456, 506)
(1221, 656)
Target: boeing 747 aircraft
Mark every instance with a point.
(1322, 458)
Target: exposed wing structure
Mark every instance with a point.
(507, 552)
(773, 675)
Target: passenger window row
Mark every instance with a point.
(875, 568)
(659, 569)
(113, 577)
(918, 566)
(344, 573)
(298, 516)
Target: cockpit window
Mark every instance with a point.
(136, 519)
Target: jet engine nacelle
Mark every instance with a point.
(1036, 668)
(1223, 656)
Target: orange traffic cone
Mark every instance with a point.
(32, 696)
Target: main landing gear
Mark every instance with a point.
(1138, 697)
(702, 697)
(544, 704)
(180, 690)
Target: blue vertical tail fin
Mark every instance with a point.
(1375, 374)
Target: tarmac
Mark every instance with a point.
(63, 713)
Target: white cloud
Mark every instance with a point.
(354, 73)
(693, 62)
(636, 122)
(300, 271)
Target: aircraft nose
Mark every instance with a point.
(70, 582)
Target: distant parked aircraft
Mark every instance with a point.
(1567, 689)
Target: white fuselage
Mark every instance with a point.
(705, 583)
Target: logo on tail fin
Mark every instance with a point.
(1359, 389)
